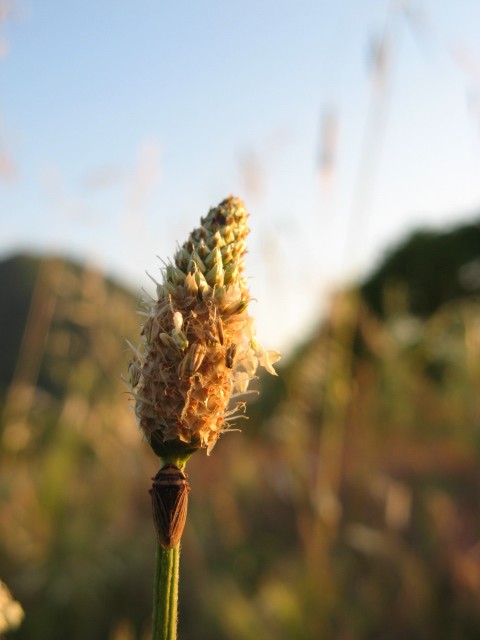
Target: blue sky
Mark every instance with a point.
(122, 122)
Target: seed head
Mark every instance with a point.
(198, 341)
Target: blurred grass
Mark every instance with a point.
(347, 508)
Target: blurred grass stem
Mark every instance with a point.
(165, 593)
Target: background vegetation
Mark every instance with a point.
(347, 508)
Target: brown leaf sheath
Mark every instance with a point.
(170, 489)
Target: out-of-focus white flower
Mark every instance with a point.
(11, 612)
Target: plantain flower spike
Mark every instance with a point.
(198, 348)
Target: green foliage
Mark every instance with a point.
(347, 508)
(74, 529)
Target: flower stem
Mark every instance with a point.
(165, 593)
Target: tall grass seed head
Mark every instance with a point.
(198, 347)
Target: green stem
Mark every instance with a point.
(165, 593)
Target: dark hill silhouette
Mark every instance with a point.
(434, 266)
(54, 307)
